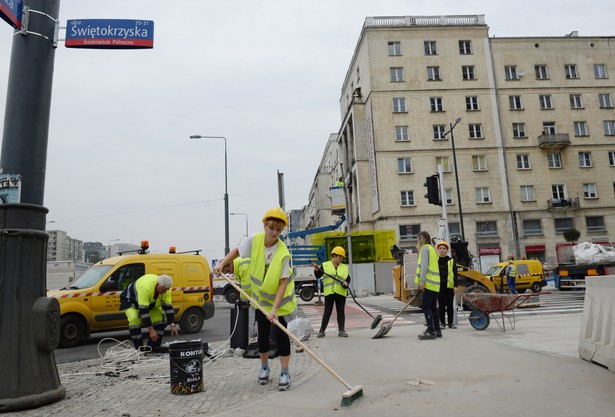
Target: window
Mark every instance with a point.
(554, 160)
(404, 165)
(467, 72)
(399, 105)
(407, 198)
(605, 101)
(397, 74)
(409, 231)
(575, 101)
(562, 224)
(519, 130)
(527, 193)
(472, 103)
(476, 131)
(595, 224)
(585, 159)
(479, 163)
(589, 190)
(510, 72)
(515, 102)
(394, 48)
(358, 74)
(443, 162)
(487, 228)
(609, 127)
(611, 158)
(541, 72)
(482, 195)
(433, 73)
(558, 191)
(448, 195)
(548, 128)
(465, 47)
(580, 129)
(523, 161)
(430, 48)
(545, 102)
(571, 71)
(438, 132)
(600, 71)
(401, 133)
(436, 104)
(532, 227)
(454, 229)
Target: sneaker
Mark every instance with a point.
(342, 334)
(452, 326)
(284, 382)
(427, 335)
(320, 334)
(263, 376)
(439, 333)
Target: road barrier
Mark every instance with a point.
(597, 338)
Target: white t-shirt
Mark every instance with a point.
(245, 251)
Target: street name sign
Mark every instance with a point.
(109, 34)
(10, 11)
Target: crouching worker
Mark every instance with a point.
(147, 303)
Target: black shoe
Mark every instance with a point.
(452, 326)
(439, 333)
(427, 336)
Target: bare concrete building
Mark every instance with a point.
(530, 122)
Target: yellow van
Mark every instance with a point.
(529, 275)
(91, 304)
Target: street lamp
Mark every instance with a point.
(226, 213)
(242, 214)
(109, 246)
(452, 127)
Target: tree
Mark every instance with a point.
(572, 235)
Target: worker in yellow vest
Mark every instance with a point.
(272, 289)
(428, 280)
(240, 267)
(335, 283)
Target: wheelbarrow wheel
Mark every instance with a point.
(479, 320)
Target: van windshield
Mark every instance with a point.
(494, 270)
(90, 277)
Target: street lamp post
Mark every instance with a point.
(226, 213)
(242, 214)
(452, 127)
(109, 246)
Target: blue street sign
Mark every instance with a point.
(10, 10)
(109, 34)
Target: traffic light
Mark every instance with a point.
(433, 190)
(460, 252)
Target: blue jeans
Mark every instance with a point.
(510, 281)
(429, 304)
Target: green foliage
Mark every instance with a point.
(572, 235)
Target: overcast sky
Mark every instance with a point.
(265, 74)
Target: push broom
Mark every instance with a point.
(349, 396)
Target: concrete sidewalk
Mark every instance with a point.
(532, 370)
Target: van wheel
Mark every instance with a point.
(536, 287)
(306, 293)
(72, 331)
(192, 320)
(231, 295)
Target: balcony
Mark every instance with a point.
(563, 204)
(553, 140)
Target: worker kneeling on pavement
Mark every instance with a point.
(147, 303)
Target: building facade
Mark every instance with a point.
(523, 127)
(61, 247)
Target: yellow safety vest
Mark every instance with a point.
(264, 290)
(450, 282)
(513, 271)
(146, 288)
(432, 278)
(334, 285)
(241, 267)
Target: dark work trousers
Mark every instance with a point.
(264, 329)
(445, 305)
(430, 309)
(340, 304)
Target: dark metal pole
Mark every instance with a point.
(227, 249)
(452, 127)
(29, 321)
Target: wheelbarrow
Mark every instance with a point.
(484, 305)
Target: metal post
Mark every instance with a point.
(452, 127)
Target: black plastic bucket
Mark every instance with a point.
(186, 367)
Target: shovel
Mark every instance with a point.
(386, 327)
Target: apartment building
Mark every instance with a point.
(62, 247)
(529, 121)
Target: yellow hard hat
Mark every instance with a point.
(443, 243)
(276, 213)
(338, 250)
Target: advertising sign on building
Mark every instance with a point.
(109, 34)
(10, 188)
(10, 11)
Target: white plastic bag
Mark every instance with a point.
(298, 326)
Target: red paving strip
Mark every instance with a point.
(355, 317)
